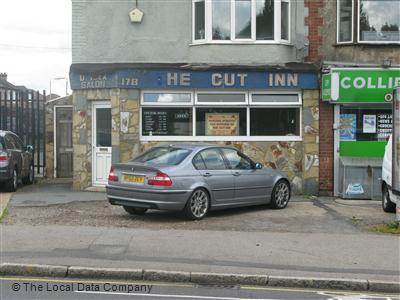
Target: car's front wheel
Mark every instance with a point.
(280, 194)
(198, 205)
(134, 210)
(387, 204)
(29, 179)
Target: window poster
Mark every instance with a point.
(384, 126)
(369, 123)
(225, 124)
(348, 125)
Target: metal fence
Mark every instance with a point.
(23, 112)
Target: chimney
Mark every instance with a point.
(3, 76)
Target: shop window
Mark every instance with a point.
(365, 124)
(166, 121)
(221, 121)
(221, 116)
(166, 98)
(241, 21)
(377, 21)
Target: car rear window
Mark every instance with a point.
(163, 155)
(1, 143)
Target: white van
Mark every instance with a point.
(388, 201)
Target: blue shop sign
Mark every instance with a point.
(178, 79)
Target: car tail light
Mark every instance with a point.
(4, 156)
(161, 179)
(112, 176)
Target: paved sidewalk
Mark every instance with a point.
(355, 256)
(4, 199)
(51, 192)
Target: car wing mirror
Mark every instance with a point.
(258, 166)
(29, 148)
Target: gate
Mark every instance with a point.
(22, 112)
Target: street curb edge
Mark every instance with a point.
(15, 269)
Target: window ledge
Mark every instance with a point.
(370, 44)
(222, 138)
(242, 43)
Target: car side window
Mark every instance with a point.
(10, 143)
(198, 162)
(237, 160)
(213, 159)
(18, 142)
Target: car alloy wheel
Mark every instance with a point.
(280, 194)
(15, 179)
(198, 205)
(31, 174)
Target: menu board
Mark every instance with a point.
(384, 126)
(222, 124)
(155, 122)
(166, 121)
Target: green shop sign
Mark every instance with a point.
(359, 85)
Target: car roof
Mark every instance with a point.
(4, 132)
(195, 146)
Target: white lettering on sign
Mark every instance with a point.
(369, 82)
(182, 79)
(282, 79)
(130, 81)
(228, 79)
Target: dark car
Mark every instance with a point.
(16, 161)
(195, 178)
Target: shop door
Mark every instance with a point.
(63, 139)
(101, 143)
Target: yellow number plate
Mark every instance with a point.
(134, 179)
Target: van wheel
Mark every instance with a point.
(12, 183)
(387, 204)
(134, 210)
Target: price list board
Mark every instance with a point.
(384, 126)
(155, 122)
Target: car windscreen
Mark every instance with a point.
(164, 156)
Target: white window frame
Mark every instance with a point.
(166, 103)
(217, 104)
(208, 25)
(358, 31)
(276, 104)
(248, 105)
(338, 23)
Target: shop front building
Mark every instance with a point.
(231, 72)
(362, 101)
(270, 115)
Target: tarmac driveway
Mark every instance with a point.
(55, 203)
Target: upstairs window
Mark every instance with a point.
(229, 21)
(374, 21)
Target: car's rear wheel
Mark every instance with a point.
(29, 179)
(134, 210)
(12, 183)
(198, 205)
(387, 204)
(280, 195)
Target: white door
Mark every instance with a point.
(101, 143)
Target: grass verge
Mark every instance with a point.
(391, 228)
(4, 214)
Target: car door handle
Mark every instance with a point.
(236, 174)
(207, 174)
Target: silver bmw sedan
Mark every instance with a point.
(194, 178)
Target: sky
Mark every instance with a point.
(35, 43)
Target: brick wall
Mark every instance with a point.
(326, 148)
(314, 21)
